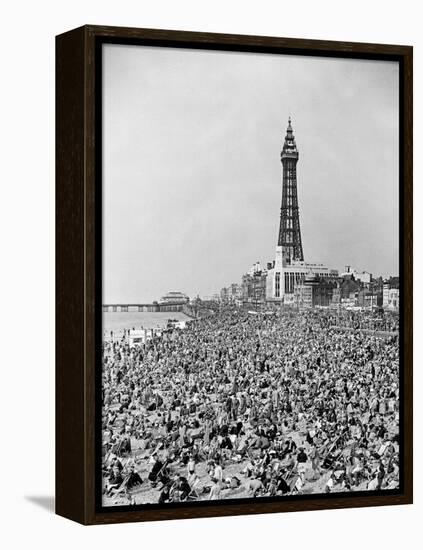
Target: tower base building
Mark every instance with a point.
(283, 279)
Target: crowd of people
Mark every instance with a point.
(377, 321)
(241, 405)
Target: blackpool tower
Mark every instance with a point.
(289, 239)
(287, 273)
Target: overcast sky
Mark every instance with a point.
(192, 178)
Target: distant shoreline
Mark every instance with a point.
(118, 321)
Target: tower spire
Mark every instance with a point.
(289, 229)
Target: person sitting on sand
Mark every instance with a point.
(180, 489)
(115, 462)
(216, 472)
(165, 494)
(115, 481)
(301, 463)
(254, 487)
(155, 469)
(134, 479)
(215, 491)
(282, 485)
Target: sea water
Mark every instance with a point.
(117, 321)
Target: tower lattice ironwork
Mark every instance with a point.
(289, 229)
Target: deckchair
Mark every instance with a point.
(193, 494)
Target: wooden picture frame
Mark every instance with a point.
(78, 266)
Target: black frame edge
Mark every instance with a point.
(70, 238)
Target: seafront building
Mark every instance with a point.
(391, 297)
(254, 285)
(364, 276)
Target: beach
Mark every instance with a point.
(242, 405)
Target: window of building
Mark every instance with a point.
(291, 283)
(277, 285)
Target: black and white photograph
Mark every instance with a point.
(250, 276)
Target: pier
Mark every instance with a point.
(153, 307)
(191, 310)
